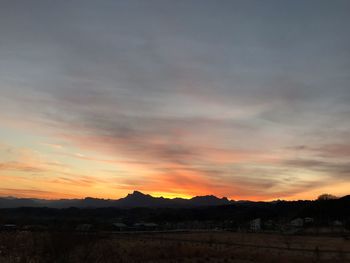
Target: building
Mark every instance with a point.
(255, 225)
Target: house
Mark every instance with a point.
(120, 226)
(255, 225)
(298, 222)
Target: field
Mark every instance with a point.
(62, 247)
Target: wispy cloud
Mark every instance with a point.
(23, 167)
(232, 98)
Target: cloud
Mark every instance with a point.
(38, 193)
(336, 169)
(196, 98)
(335, 150)
(74, 179)
(23, 167)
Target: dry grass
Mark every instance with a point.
(26, 247)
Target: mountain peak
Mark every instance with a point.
(137, 193)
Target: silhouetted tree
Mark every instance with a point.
(326, 197)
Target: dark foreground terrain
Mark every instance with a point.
(43, 247)
(243, 232)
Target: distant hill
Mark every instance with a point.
(345, 198)
(138, 207)
(135, 199)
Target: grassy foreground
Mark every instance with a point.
(62, 247)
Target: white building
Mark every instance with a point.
(255, 225)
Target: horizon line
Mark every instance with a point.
(156, 196)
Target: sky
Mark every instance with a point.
(244, 99)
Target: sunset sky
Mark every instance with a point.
(245, 99)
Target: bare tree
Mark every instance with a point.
(326, 197)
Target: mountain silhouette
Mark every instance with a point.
(135, 199)
(144, 200)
